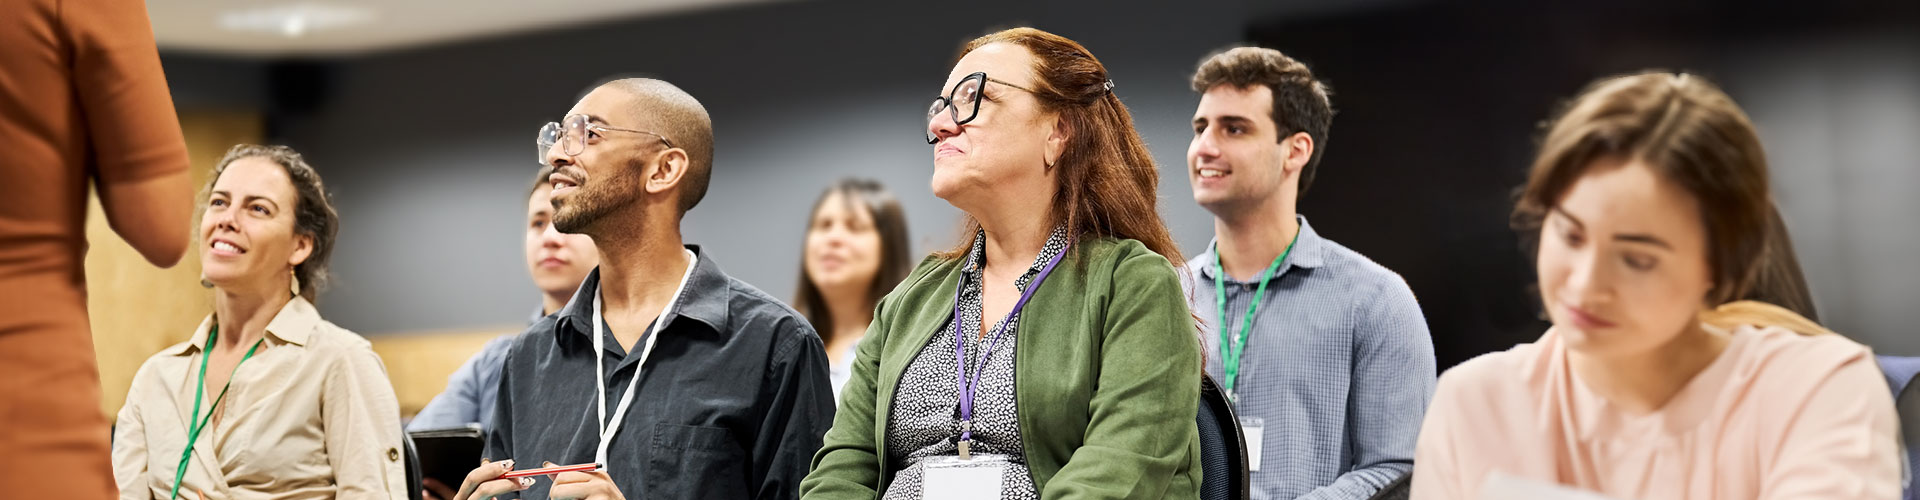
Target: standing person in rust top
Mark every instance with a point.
(82, 100)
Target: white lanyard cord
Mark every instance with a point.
(599, 363)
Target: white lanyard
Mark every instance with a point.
(599, 364)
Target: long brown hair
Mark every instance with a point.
(1779, 280)
(1780, 296)
(1105, 184)
(895, 256)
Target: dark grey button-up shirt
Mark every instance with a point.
(732, 403)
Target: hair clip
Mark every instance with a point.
(1108, 85)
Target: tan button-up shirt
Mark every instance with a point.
(311, 415)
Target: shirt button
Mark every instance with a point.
(393, 454)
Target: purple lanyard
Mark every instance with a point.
(967, 386)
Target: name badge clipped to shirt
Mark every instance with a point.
(1250, 428)
(955, 478)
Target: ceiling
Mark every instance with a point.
(277, 28)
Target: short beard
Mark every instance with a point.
(583, 211)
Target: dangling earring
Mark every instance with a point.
(296, 282)
(204, 283)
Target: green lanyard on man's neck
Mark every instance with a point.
(1232, 345)
(196, 422)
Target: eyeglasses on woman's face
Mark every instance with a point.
(962, 103)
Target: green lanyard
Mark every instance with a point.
(1230, 346)
(198, 423)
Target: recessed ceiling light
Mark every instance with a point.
(295, 20)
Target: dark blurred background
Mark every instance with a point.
(423, 128)
(1440, 105)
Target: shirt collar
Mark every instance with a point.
(292, 324)
(1309, 251)
(978, 254)
(704, 300)
(538, 313)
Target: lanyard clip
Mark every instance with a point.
(966, 439)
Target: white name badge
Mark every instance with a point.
(1250, 428)
(950, 478)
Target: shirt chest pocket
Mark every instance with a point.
(272, 427)
(687, 461)
(1307, 355)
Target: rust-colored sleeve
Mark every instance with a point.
(122, 91)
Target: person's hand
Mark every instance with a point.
(595, 485)
(433, 490)
(485, 483)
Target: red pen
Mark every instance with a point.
(544, 471)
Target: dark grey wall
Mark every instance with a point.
(1439, 105)
(199, 81)
(1840, 116)
(430, 151)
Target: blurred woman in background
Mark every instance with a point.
(855, 252)
(1651, 205)
(266, 400)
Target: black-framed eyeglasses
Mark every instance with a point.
(571, 134)
(963, 102)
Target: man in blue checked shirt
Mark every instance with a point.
(1324, 352)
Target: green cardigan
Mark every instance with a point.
(1106, 373)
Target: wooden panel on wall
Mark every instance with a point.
(137, 310)
(419, 363)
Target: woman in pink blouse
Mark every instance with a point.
(1650, 200)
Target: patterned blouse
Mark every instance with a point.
(925, 419)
